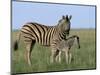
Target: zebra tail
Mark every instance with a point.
(16, 43)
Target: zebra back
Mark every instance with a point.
(45, 35)
(70, 41)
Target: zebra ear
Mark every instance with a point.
(63, 17)
(70, 17)
(67, 17)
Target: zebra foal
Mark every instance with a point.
(65, 46)
(45, 35)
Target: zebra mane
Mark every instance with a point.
(73, 36)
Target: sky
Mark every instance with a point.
(50, 14)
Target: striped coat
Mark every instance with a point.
(44, 35)
(65, 46)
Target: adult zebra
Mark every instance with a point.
(44, 35)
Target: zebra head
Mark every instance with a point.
(64, 24)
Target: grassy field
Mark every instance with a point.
(83, 58)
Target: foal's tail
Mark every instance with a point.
(78, 41)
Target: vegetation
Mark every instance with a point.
(83, 58)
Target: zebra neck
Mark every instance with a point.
(62, 35)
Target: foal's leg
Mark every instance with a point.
(59, 57)
(70, 57)
(66, 55)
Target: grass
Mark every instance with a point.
(83, 58)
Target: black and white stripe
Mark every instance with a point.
(65, 46)
(45, 35)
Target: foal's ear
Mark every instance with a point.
(70, 17)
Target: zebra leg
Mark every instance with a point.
(53, 55)
(66, 56)
(59, 58)
(70, 57)
(54, 52)
(57, 55)
(29, 46)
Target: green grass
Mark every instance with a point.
(83, 58)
